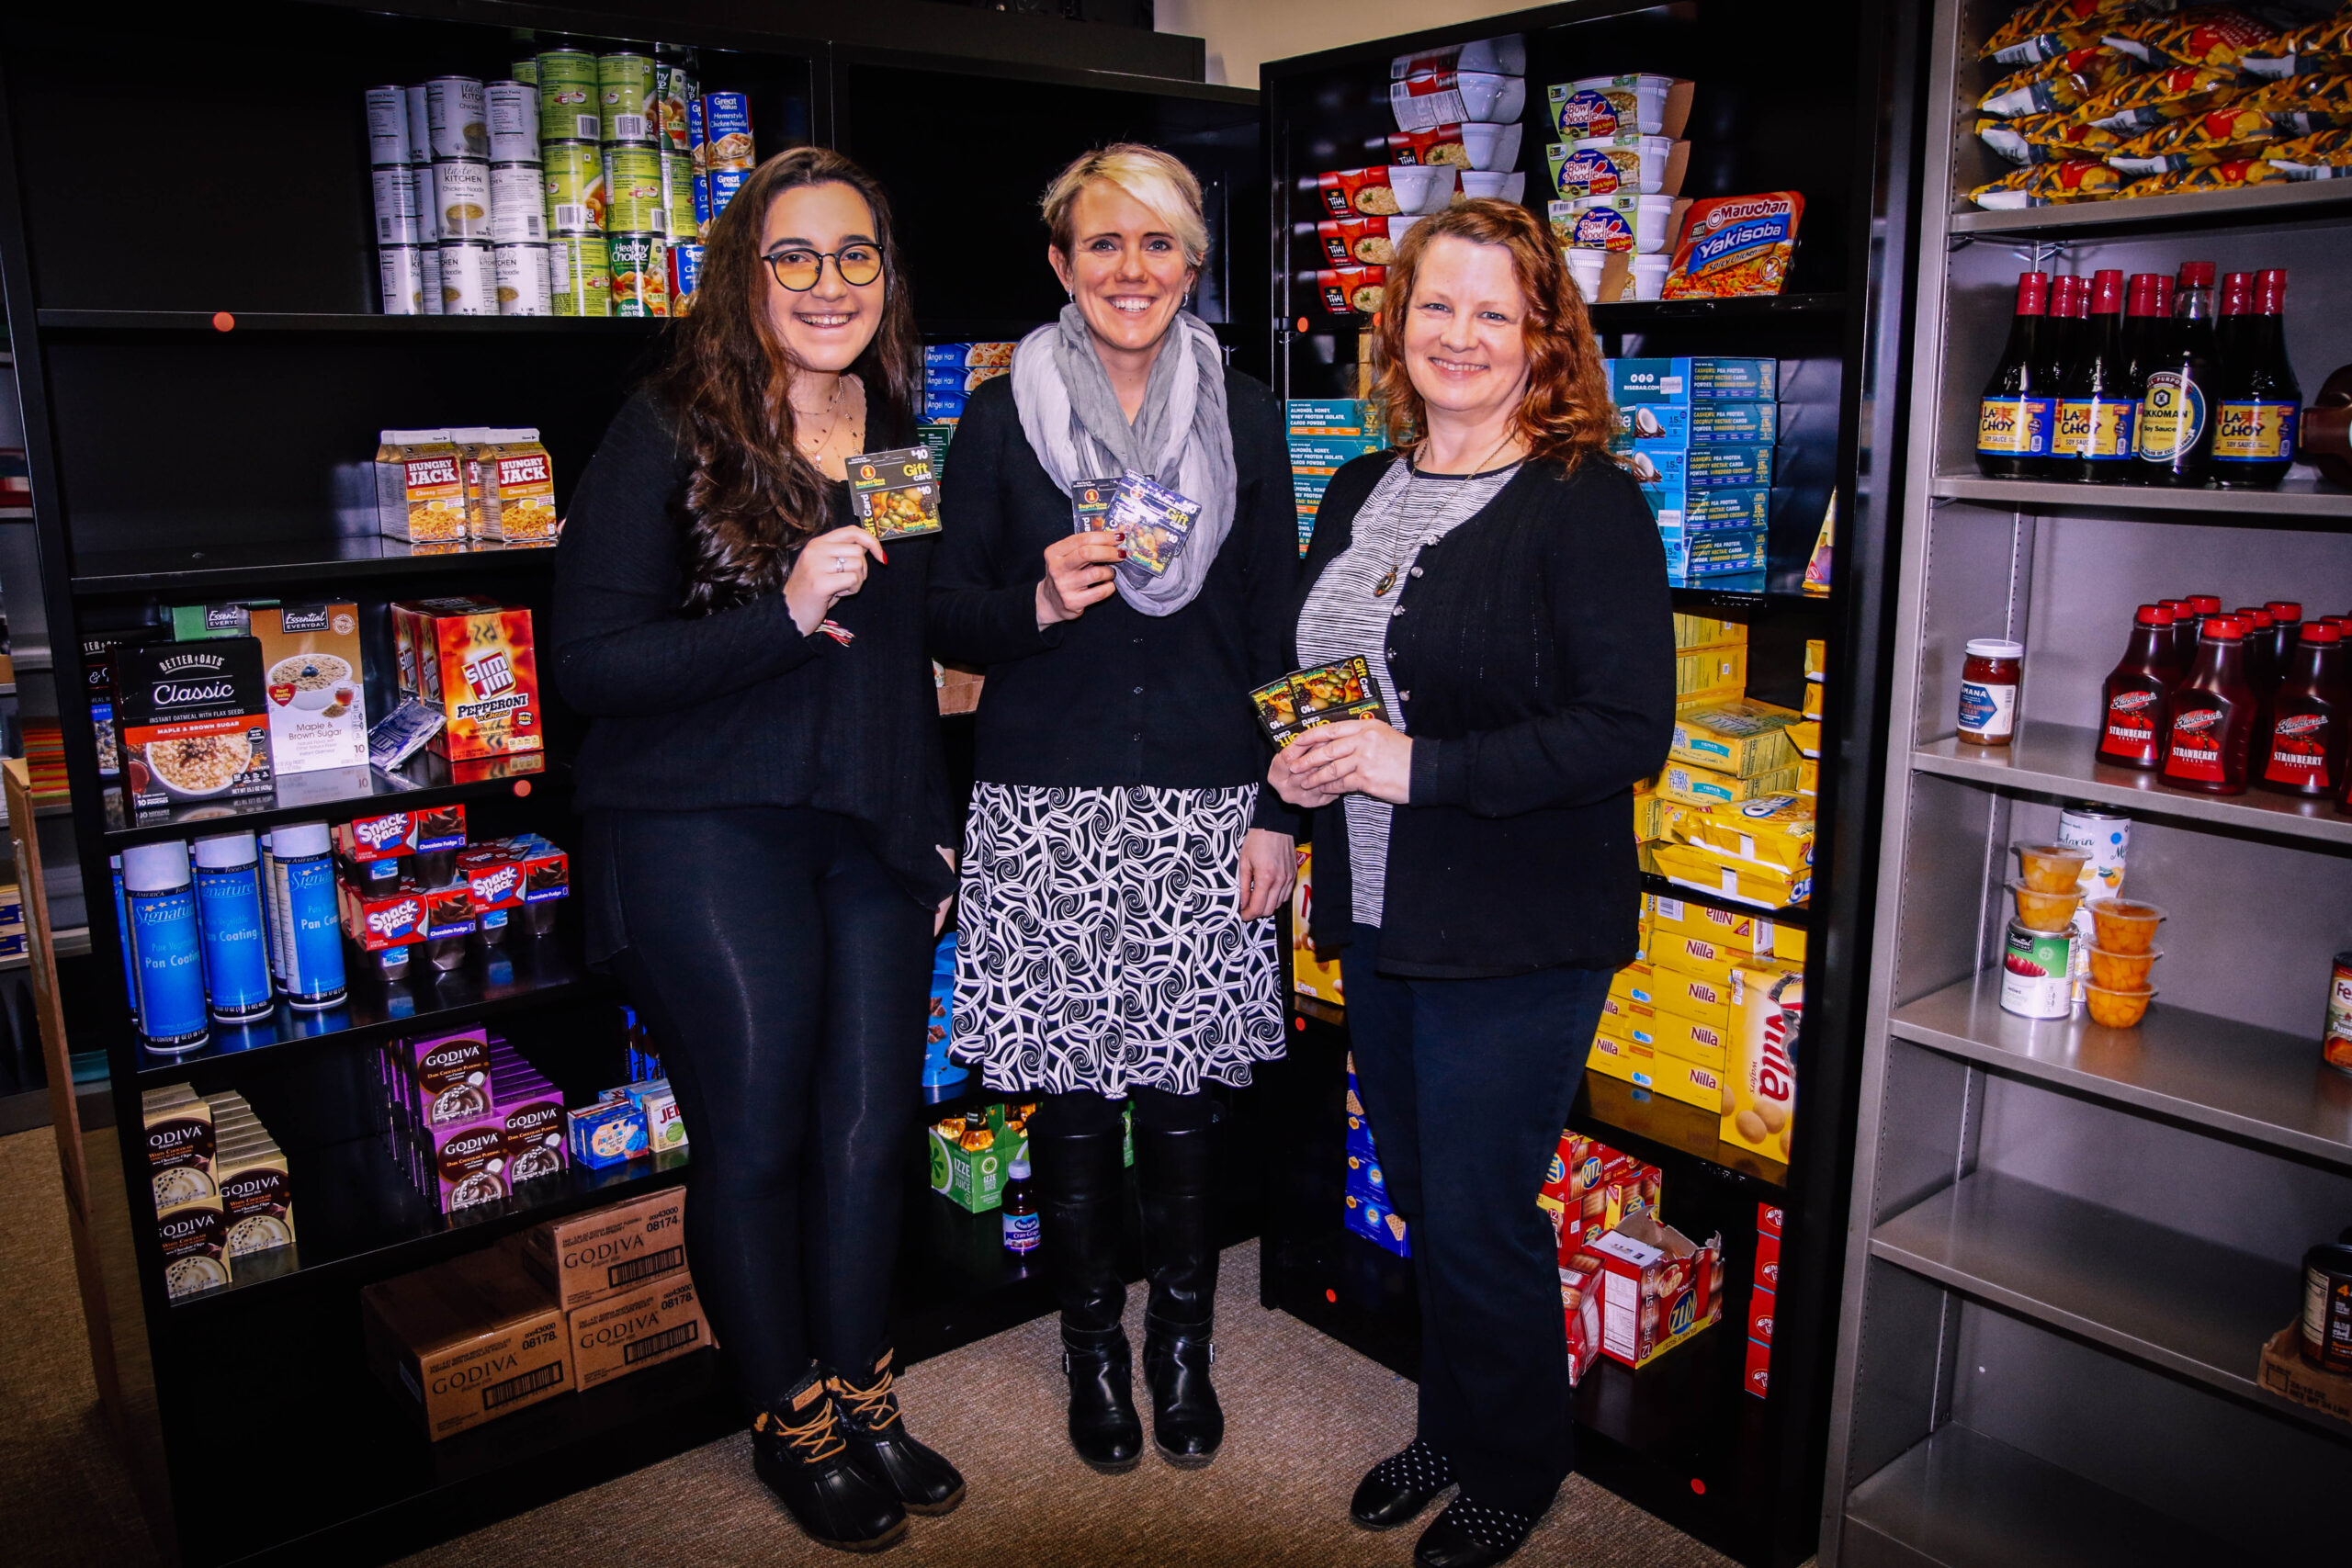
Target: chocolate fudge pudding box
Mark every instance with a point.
(469, 1340)
(194, 721)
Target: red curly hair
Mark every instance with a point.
(1566, 415)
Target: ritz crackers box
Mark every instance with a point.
(473, 659)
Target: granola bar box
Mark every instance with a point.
(474, 661)
(194, 720)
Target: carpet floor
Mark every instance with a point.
(1305, 1417)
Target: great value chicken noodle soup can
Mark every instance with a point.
(468, 278)
(403, 280)
(641, 265)
(580, 277)
(678, 197)
(517, 205)
(624, 94)
(461, 198)
(387, 127)
(572, 182)
(686, 277)
(634, 203)
(567, 94)
(724, 184)
(512, 112)
(395, 195)
(455, 125)
(727, 123)
(521, 275)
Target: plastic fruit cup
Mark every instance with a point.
(2117, 1009)
(2051, 868)
(2040, 911)
(2125, 925)
(2120, 971)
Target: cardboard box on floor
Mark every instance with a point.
(469, 1340)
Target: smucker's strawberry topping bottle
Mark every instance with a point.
(2304, 753)
(2212, 714)
(2138, 703)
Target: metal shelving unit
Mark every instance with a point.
(2074, 1240)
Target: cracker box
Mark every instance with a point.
(611, 1132)
(609, 1252)
(420, 487)
(1580, 1290)
(1378, 1224)
(1775, 830)
(970, 1154)
(1706, 631)
(194, 721)
(469, 1340)
(657, 1323)
(1743, 738)
(1312, 976)
(1704, 868)
(474, 661)
(1711, 671)
(1687, 784)
(1762, 1068)
(1658, 1288)
(312, 676)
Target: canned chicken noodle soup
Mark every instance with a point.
(395, 195)
(403, 280)
(580, 277)
(512, 111)
(453, 118)
(573, 178)
(567, 92)
(727, 121)
(387, 126)
(517, 204)
(462, 199)
(428, 276)
(624, 88)
(521, 278)
(640, 266)
(468, 278)
(420, 130)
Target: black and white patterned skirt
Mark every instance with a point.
(1100, 948)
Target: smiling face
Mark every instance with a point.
(1465, 345)
(1126, 271)
(827, 326)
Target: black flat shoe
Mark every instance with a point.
(1395, 1491)
(1104, 1427)
(1466, 1534)
(798, 1450)
(1187, 1423)
(883, 1452)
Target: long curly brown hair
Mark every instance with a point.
(1566, 415)
(753, 498)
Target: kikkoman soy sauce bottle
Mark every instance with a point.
(2212, 714)
(2098, 399)
(2257, 402)
(2018, 413)
(2175, 432)
(2138, 700)
(2311, 718)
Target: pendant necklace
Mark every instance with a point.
(1380, 590)
(833, 405)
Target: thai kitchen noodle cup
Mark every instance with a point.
(2051, 868)
(1649, 276)
(2125, 925)
(1499, 184)
(2120, 971)
(1585, 268)
(1492, 146)
(2043, 911)
(2037, 972)
(2117, 1009)
(1423, 188)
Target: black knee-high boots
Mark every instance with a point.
(1176, 1172)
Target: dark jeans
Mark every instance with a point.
(786, 976)
(1466, 1085)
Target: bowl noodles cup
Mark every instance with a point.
(2041, 911)
(2125, 925)
(2117, 1009)
(2120, 971)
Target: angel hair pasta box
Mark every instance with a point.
(194, 724)
(1734, 245)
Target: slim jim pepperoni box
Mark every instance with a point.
(472, 660)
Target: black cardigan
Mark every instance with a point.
(1533, 656)
(1115, 697)
(737, 708)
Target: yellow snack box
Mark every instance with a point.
(1705, 786)
(1813, 694)
(1808, 777)
(517, 490)
(1776, 830)
(1706, 631)
(1697, 1041)
(1628, 1019)
(1697, 957)
(1762, 1068)
(1789, 946)
(1698, 998)
(1742, 737)
(1806, 736)
(1712, 671)
(420, 487)
(1635, 983)
(1646, 1067)
(1674, 919)
(1649, 815)
(1816, 659)
(1707, 869)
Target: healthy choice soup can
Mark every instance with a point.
(641, 265)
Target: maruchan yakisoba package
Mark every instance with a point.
(1736, 245)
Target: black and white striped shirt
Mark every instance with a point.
(1407, 511)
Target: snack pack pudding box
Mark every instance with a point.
(473, 659)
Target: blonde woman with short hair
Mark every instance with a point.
(1120, 858)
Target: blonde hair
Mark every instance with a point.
(1157, 180)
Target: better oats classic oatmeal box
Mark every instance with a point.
(193, 722)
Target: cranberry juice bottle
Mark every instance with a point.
(2212, 714)
(2309, 719)
(2138, 702)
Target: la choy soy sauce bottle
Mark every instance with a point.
(2018, 418)
(2098, 399)
(2212, 714)
(2138, 699)
(2175, 430)
(2257, 402)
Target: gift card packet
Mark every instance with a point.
(1325, 694)
(1090, 504)
(893, 493)
(1153, 521)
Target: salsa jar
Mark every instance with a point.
(1988, 691)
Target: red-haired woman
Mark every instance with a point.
(767, 821)
(1475, 860)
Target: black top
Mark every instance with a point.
(1533, 657)
(737, 708)
(1116, 696)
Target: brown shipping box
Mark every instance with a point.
(606, 1252)
(629, 1333)
(470, 1340)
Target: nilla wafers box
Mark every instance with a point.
(1760, 1109)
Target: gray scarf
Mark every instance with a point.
(1180, 436)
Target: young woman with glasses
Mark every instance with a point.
(767, 842)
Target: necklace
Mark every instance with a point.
(1381, 588)
(833, 404)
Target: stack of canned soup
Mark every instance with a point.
(465, 233)
(619, 194)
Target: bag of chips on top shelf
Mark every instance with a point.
(2322, 155)
(2201, 35)
(2298, 104)
(2130, 94)
(2060, 85)
(2046, 138)
(2209, 177)
(2048, 16)
(2325, 45)
(2048, 185)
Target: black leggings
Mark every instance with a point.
(1157, 1110)
(786, 977)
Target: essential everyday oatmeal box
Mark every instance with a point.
(312, 676)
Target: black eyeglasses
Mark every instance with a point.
(798, 268)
